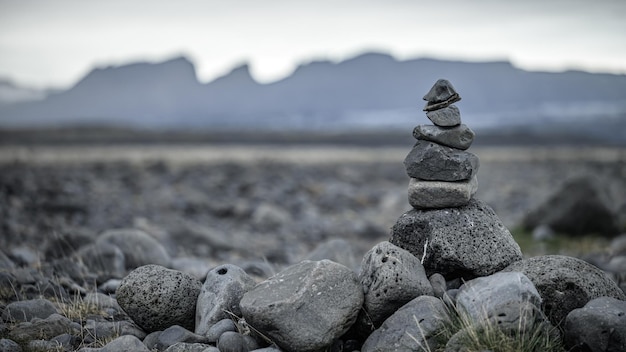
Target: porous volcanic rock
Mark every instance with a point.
(465, 242)
(157, 298)
(565, 283)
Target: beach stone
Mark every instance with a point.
(508, 299)
(391, 277)
(46, 329)
(191, 347)
(581, 206)
(430, 161)
(138, 247)
(441, 95)
(231, 341)
(103, 258)
(22, 311)
(220, 294)
(125, 343)
(401, 333)
(217, 329)
(7, 345)
(175, 334)
(463, 242)
(565, 283)
(338, 250)
(65, 244)
(598, 326)
(306, 306)
(458, 137)
(110, 329)
(441, 194)
(438, 282)
(449, 116)
(157, 298)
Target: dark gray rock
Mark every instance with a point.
(125, 343)
(581, 206)
(157, 298)
(7, 345)
(449, 116)
(306, 306)
(598, 326)
(191, 347)
(441, 194)
(442, 94)
(391, 277)
(508, 299)
(338, 250)
(68, 342)
(565, 283)
(463, 242)
(109, 329)
(438, 282)
(217, 329)
(152, 339)
(413, 327)
(5, 262)
(104, 259)
(175, 334)
(430, 161)
(22, 311)
(48, 328)
(219, 297)
(459, 137)
(232, 342)
(138, 247)
(196, 267)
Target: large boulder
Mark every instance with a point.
(565, 283)
(581, 206)
(391, 277)
(465, 242)
(413, 327)
(598, 326)
(219, 297)
(306, 306)
(157, 298)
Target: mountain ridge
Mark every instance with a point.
(372, 90)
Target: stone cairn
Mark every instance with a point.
(453, 233)
(442, 173)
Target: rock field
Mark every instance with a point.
(218, 222)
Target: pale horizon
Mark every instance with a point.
(55, 44)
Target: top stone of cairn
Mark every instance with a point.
(441, 95)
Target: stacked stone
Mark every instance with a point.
(451, 232)
(442, 172)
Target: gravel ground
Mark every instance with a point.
(274, 202)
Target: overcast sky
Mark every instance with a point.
(56, 42)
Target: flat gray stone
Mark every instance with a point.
(441, 194)
(175, 334)
(219, 297)
(463, 242)
(448, 116)
(598, 326)
(459, 137)
(413, 327)
(157, 298)
(391, 277)
(430, 161)
(565, 283)
(306, 306)
(440, 95)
